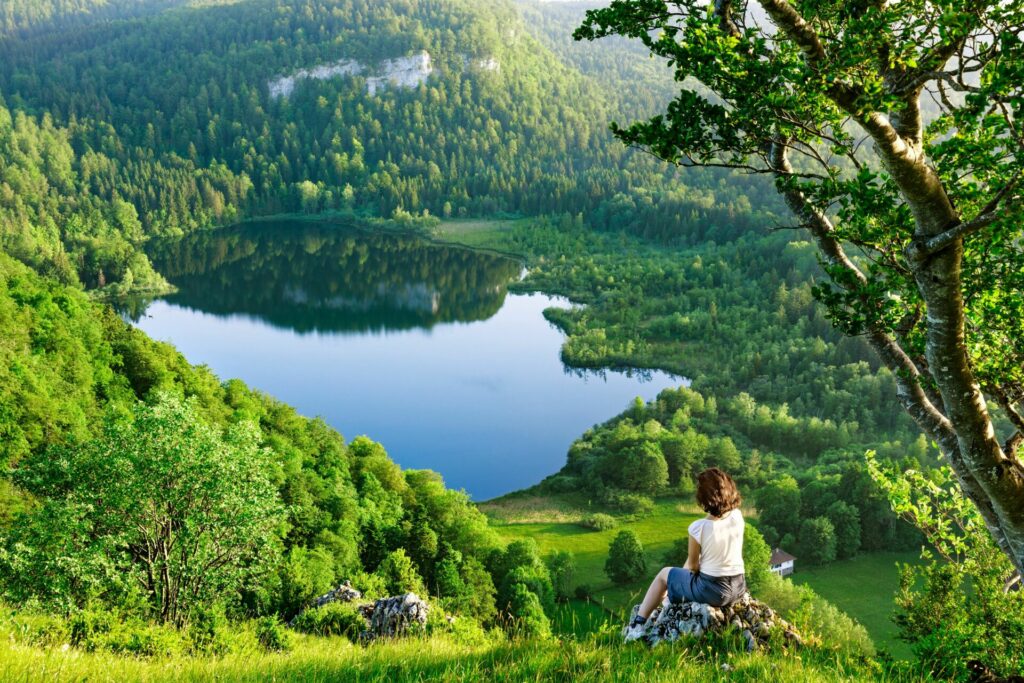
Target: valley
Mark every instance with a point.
(457, 298)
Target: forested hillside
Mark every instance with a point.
(173, 114)
(70, 367)
(23, 17)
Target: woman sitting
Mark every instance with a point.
(713, 573)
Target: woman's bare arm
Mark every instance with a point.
(693, 556)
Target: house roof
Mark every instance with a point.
(779, 556)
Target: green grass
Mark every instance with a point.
(437, 658)
(863, 587)
(487, 234)
(581, 617)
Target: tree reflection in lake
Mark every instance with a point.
(329, 278)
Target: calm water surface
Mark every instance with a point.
(417, 345)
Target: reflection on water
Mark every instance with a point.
(414, 344)
(330, 279)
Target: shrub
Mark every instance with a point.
(332, 619)
(626, 560)
(819, 617)
(583, 591)
(536, 579)
(272, 635)
(478, 595)
(399, 574)
(630, 503)
(527, 615)
(520, 563)
(598, 521)
(40, 630)
(144, 640)
(466, 631)
(96, 631)
(756, 559)
(88, 625)
(814, 616)
(562, 568)
(208, 632)
(372, 586)
(305, 575)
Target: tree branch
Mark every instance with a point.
(908, 378)
(1016, 419)
(919, 250)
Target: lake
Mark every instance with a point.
(418, 345)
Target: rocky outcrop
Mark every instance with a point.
(393, 617)
(754, 620)
(385, 618)
(404, 72)
(283, 86)
(400, 72)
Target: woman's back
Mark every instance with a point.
(721, 544)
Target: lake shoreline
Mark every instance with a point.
(384, 319)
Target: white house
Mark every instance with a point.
(782, 562)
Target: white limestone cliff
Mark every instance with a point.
(401, 72)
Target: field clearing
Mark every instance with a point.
(656, 532)
(863, 587)
(487, 234)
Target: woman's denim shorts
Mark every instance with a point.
(718, 591)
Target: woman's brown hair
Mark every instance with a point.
(716, 492)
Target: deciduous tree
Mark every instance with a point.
(891, 130)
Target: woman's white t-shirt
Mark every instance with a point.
(721, 544)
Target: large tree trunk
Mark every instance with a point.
(962, 426)
(996, 481)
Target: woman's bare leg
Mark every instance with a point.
(655, 594)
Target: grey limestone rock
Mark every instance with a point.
(385, 618)
(343, 593)
(753, 619)
(391, 617)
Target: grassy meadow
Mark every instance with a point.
(864, 587)
(437, 658)
(517, 517)
(842, 583)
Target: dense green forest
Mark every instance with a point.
(22, 17)
(172, 115)
(783, 397)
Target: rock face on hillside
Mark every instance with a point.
(400, 72)
(385, 618)
(753, 619)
